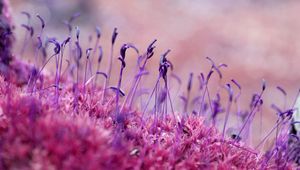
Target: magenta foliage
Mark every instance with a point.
(65, 124)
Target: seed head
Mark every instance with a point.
(41, 20)
(114, 36)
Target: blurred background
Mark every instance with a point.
(257, 39)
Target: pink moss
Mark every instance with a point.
(43, 137)
(46, 126)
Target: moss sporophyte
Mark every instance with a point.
(77, 118)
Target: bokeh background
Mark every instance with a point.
(257, 39)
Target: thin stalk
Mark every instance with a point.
(24, 44)
(85, 75)
(204, 93)
(147, 56)
(103, 94)
(93, 56)
(171, 105)
(144, 110)
(262, 141)
(86, 70)
(60, 70)
(114, 36)
(189, 87)
(186, 103)
(202, 101)
(118, 92)
(155, 109)
(39, 73)
(98, 65)
(226, 118)
(203, 97)
(70, 49)
(250, 114)
(96, 78)
(57, 77)
(209, 99)
(132, 91)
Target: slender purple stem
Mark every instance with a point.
(262, 141)
(226, 119)
(250, 114)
